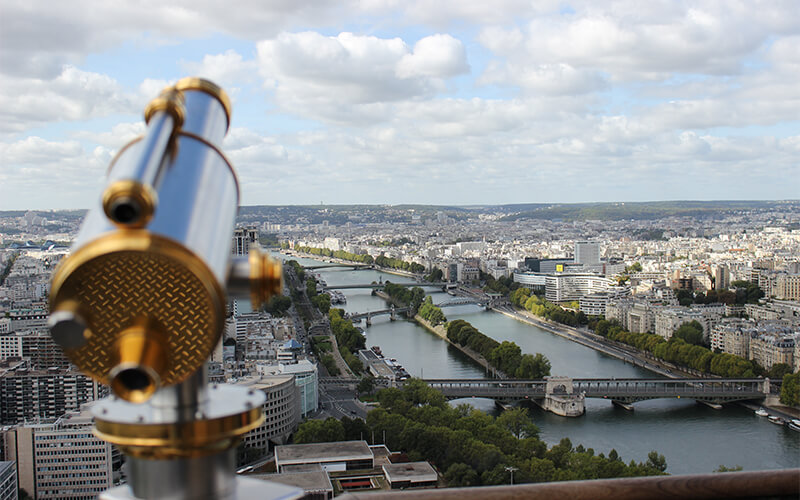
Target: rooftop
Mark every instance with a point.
(342, 450)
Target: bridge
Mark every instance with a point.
(377, 286)
(566, 394)
(346, 266)
(392, 312)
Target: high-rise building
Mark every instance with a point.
(61, 459)
(587, 253)
(243, 238)
(8, 480)
(722, 277)
(27, 395)
(37, 346)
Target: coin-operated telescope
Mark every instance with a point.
(140, 303)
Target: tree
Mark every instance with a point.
(461, 474)
(366, 385)
(656, 461)
(691, 333)
(723, 468)
(518, 422)
(320, 431)
(778, 370)
(790, 389)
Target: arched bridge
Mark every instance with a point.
(713, 390)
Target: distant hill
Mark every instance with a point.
(640, 210)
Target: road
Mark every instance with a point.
(340, 402)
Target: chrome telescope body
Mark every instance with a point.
(140, 302)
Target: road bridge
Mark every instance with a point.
(378, 286)
(346, 266)
(625, 391)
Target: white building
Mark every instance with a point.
(281, 410)
(587, 253)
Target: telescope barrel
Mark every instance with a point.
(140, 302)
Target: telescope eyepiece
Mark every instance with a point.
(125, 211)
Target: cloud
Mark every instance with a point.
(73, 95)
(45, 174)
(353, 77)
(39, 36)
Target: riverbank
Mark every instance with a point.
(441, 332)
(575, 335)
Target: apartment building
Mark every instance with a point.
(61, 459)
(27, 395)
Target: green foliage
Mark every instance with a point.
(747, 292)
(355, 364)
(633, 268)
(346, 334)
(435, 276)
(278, 305)
(6, 271)
(320, 431)
(790, 389)
(322, 302)
(723, 468)
(474, 448)
(506, 357)
(366, 385)
(778, 371)
(337, 254)
(518, 422)
(329, 363)
(431, 313)
(541, 307)
(503, 285)
(298, 269)
(405, 296)
(392, 263)
(679, 352)
(691, 333)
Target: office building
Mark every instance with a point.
(61, 459)
(243, 239)
(8, 480)
(281, 410)
(587, 253)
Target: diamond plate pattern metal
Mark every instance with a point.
(117, 288)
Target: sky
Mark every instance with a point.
(447, 102)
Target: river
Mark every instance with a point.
(692, 437)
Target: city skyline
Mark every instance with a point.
(453, 103)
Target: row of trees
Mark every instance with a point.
(321, 301)
(381, 260)
(349, 339)
(392, 263)
(503, 285)
(431, 313)
(338, 254)
(405, 296)
(521, 297)
(744, 292)
(679, 352)
(506, 357)
(471, 447)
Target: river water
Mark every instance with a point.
(692, 437)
